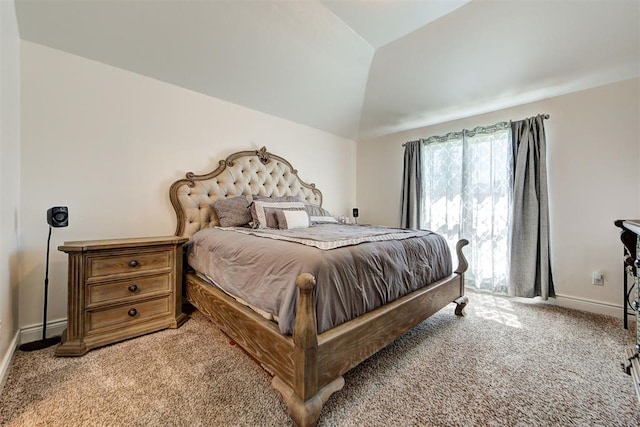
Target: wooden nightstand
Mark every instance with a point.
(120, 289)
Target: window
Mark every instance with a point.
(467, 191)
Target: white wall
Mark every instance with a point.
(593, 140)
(9, 181)
(108, 143)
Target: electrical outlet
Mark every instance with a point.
(597, 279)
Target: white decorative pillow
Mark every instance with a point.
(263, 217)
(292, 219)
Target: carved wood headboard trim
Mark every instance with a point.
(243, 173)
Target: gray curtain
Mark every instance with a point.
(412, 182)
(530, 272)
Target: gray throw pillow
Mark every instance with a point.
(276, 199)
(232, 212)
(319, 215)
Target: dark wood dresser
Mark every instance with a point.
(630, 237)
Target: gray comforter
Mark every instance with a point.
(352, 278)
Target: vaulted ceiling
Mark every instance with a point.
(354, 68)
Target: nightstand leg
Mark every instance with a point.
(72, 338)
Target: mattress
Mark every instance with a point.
(357, 268)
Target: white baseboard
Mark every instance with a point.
(34, 332)
(5, 363)
(25, 335)
(590, 306)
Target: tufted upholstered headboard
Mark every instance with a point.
(244, 173)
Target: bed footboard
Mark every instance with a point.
(321, 360)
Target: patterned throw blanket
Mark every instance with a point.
(332, 236)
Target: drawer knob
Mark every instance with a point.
(132, 312)
(133, 288)
(133, 263)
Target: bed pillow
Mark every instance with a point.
(288, 219)
(263, 213)
(319, 215)
(232, 212)
(276, 199)
(272, 219)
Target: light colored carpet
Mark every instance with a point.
(504, 364)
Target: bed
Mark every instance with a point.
(305, 353)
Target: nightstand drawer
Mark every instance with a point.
(99, 293)
(126, 314)
(128, 262)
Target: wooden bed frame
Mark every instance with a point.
(307, 367)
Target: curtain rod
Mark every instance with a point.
(544, 116)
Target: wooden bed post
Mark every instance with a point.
(462, 267)
(305, 339)
(304, 400)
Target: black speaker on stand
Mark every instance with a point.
(57, 216)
